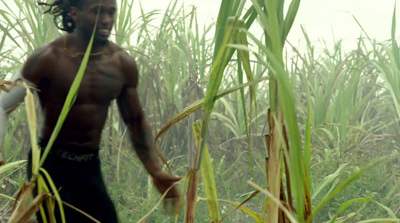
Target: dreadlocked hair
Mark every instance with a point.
(60, 10)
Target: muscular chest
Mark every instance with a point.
(101, 83)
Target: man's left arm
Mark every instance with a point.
(140, 133)
(139, 130)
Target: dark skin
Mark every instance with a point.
(111, 74)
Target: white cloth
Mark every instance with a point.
(8, 101)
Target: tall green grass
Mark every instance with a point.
(350, 111)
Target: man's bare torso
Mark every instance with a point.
(103, 81)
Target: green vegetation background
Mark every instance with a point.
(353, 97)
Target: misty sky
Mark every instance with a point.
(322, 19)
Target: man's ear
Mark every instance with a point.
(74, 13)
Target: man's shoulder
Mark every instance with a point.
(126, 60)
(114, 47)
(49, 51)
(127, 64)
(119, 51)
(42, 61)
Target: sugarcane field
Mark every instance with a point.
(265, 111)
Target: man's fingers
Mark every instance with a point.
(172, 206)
(161, 176)
(176, 179)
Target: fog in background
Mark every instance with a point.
(322, 19)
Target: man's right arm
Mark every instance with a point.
(37, 66)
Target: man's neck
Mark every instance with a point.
(80, 42)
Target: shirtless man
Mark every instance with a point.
(111, 74)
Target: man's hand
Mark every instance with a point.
(163, 182)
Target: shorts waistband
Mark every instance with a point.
(73, 156)
(77, 155)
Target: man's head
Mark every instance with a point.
(80, 16)
(85, 16)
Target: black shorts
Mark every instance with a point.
(77, 175)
